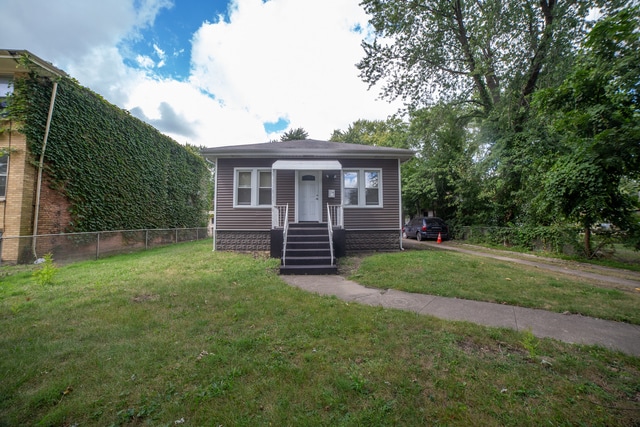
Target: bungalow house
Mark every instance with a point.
(307, 201)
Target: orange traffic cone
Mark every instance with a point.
(439, 239)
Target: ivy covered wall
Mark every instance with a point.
(117, 172)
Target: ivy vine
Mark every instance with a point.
(117, 172)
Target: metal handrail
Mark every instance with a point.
(330, 227)
(284, 235)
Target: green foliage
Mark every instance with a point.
(595, 115)
(47, 271)
(117, 172)
(294, 135)
(530, 343)
(377, 133)
(555, 239)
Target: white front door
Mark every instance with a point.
(309, 192)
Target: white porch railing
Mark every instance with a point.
(284, 234)
(278, 215)
(335, 213)
(330, 227)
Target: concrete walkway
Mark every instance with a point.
(564, 327)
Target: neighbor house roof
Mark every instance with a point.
(10, 63)
(307, 148)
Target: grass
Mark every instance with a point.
(184, 336)
(615, 255)
(465, 276)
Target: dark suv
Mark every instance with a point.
(426, 227)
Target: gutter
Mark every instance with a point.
(40, 168)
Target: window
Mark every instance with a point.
(362, 187)
(6, 86)
(6, 89)
(252, 187)
(4, 163)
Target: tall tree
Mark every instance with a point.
(294, 135)
(442, 177)
(488, 55)
(467, 51)
(596, 115)
(379, 133)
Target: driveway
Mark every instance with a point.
(589, 272)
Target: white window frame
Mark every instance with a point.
(362, 191)
(5, 174)
(255, 187)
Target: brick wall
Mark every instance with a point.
(17, 208)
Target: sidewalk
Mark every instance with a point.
(569, 328)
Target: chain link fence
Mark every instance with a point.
(70, 247)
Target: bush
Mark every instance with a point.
(47, 271)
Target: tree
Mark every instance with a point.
(294, 135)
(476, 52)
(596, 115)
(378, 133)
(489, 56)
(443, 176)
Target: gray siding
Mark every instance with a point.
(286, 191)
(387, 217)
(228, 217)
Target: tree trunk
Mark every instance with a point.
(587, 241)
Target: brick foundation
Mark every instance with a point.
(373, 240)
(243, 241)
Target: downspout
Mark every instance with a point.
(41, 166)
(215, 207)
(400, 201)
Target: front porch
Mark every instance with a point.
(308, 247)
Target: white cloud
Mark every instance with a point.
(145, 62)
(287, 59)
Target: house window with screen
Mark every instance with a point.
(4, 168)
(252, 187)
(362, 187)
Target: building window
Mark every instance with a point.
(6, 86)
(252, 187)
(362, 187)
(6, 89)
(4, 168)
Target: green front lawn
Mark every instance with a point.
(182, 335)
(465, 276)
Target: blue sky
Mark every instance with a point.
(209, 73)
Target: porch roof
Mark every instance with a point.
(331, 165)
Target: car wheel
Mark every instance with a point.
(419, 236)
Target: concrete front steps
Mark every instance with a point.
(308, 250)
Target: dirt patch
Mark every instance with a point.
(145, 298)
(348, 266)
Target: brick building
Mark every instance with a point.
(18, 173)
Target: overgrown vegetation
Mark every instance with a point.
(118, 172)
(185, 336)
(522, 114)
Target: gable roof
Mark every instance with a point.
(307, 148)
